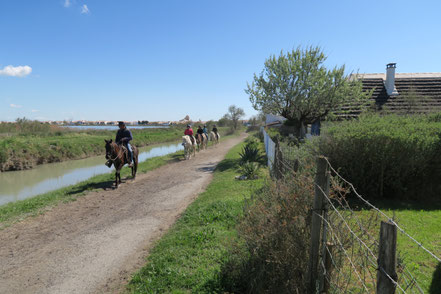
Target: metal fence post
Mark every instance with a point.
(387, 275)
(321, 185)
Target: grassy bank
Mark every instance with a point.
(189, 257)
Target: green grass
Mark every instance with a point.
(189, 257)
(422, 221)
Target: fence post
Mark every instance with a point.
(328, 267)
(325, 253)
(387, 259)
(322, 181)
(277, 168)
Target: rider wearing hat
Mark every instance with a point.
(124, 136)
(215, 131)
(189, 132)
(200, 131)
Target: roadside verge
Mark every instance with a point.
(190, 255)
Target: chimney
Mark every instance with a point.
(390, 79)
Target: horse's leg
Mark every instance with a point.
(116, 179)
(119, 176)
(135, 166)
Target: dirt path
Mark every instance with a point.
(92, 245)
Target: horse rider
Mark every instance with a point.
(124, 136)
(215, 131)
(189, 132)
(200, 131)
(205, 131)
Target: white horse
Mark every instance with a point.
(214, 138)
(189, 147)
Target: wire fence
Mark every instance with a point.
(352, 251)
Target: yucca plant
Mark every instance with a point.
(250, 170)
(250, 153)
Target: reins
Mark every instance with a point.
(117, 155)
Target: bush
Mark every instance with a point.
(271, 255)
(390, 156)
(258, 136)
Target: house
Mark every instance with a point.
(399, 92)
(273, 120)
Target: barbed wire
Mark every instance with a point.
(358, 239)
(362, 255)
(344, 251)
(382, 213)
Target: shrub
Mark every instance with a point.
(390, 156)
(271, 255)
(258, 136)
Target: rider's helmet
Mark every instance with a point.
(188, 126)
(121, 124)
(205, 126)
(214, 126)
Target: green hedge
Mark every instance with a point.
(389, 156)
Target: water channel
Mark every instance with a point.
(19, 185)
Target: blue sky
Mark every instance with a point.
(162, 60)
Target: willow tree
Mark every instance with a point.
(299, 87)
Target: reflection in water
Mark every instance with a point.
(19, 185)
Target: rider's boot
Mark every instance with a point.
(130, 158)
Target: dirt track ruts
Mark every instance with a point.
(94, 244)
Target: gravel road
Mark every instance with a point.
(94, 244)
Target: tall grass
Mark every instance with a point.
(387, 156)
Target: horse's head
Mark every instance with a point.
(108, 148)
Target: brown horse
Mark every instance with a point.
(117, 154)
(201, 141)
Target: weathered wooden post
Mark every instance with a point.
(387, 258)
(328, 267)
(321, 186)
(277, 167)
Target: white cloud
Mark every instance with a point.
(16, 71)
(85, 9)
(35, 110)
(15, 106)
(67, 3)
